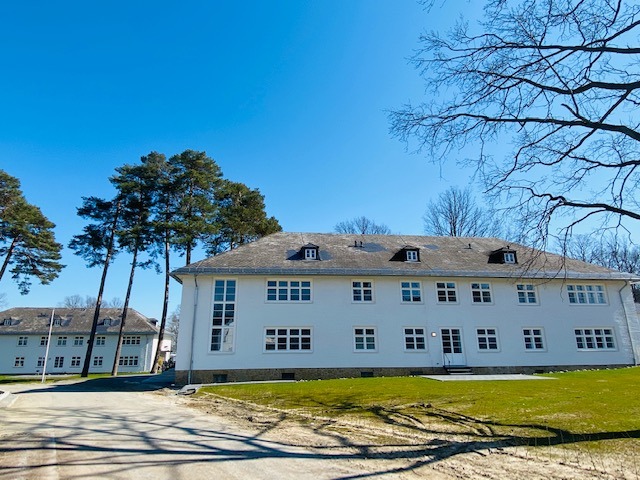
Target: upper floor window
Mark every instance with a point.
(78, 341)
(446, 292)
(481, 292)
(586, 294)
(22, 341)
(411, 292)
(131, 340)
(44, 341)
(362, 290)
(101, 340)
(288, 290)
(62, 341)
(527, 294)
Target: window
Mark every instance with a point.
(586, 294)
(411, 292)
(18, 362)
(44, 341)
(446, 292)
(57, 322)
(509, 257)
(40, 362)
(78, 341)
(58, 362)
(310, 254)
(75, 361)
(412, 255)
(224, 316)
(287, 339)
(22, 341)
(362, 290)
(414, 339)
(288, 290)
(128, 361)
(595, 339)
(131, 340)
(487, 339)
(526, 294)
(481, 292)
(364, 339)
(533, 339)
(97, 361)
(101, 341)
(62, 341)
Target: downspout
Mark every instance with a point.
(193, 328)
(626, 318)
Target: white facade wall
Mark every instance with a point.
(10, 350)
(332, 316)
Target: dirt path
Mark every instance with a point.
(392, 452)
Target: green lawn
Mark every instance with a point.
(573, 407)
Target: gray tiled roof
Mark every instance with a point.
(73, 321)
(341, 254)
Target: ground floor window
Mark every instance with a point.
(97, 361)
(364, 339)
(58, 362)
(75, 361)
(595, 339)
(128, 361)
(414, 339)
(487, 338)
(18, 362)
(287, 339)
(533, 338)
(40, 362)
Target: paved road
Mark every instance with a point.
(113, 429)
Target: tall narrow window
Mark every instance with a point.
(224, 316)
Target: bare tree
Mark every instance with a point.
(362, 225)
(556, 79)
(455, 214)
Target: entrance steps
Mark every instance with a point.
(458, 370)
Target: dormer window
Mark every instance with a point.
(503, 255)
(412, 255)
(6, 322)
(310, 252)
(509, 257)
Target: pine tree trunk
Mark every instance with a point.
(8, 257)
(125, 309)
(165, 305)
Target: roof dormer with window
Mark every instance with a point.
(310, 252)
(408, 253)
(503, 255)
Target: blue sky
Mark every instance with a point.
(287, 96)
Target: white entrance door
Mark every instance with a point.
(452, 347)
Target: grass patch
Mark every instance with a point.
(589, 406)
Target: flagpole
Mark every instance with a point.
(46, 354)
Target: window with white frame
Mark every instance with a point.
(487, 338)
(223, 322)
(414, 339)
(101, 340)
(595, 339)
(411, 292)
(362, 290)
(527, 294)
(131, 340)
(97, 361)
(412, 255)
(447, 292)
(533, 338)
(44, 341)
(364, 339)
(22, 341)
(18, 362)
(75, 361)
(509, 257)
(78, 341)
(586, 294)
(128, 361)
(288, 290)
(310, 254)
(287, 339)
(480, 292)
(62, 341)
(58, 362)
(40, 363)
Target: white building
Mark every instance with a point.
(24, 333)
(304, 306)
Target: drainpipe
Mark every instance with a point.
(193, 328)
(626, 318)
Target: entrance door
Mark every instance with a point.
(452, 347)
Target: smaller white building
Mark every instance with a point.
(24, 334)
